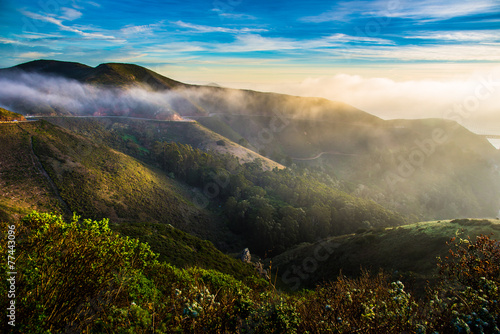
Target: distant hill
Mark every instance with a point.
(408, 252)
(9, 116)
(113, 74)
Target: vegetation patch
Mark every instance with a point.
(79, 275)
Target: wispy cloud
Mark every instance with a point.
(342, 11)
(255, 42)
(457, 36)
(141, 29)
(95, 4)
(33, 36)
(419, 10)
(70, 14)
(58, 22)
(11, 41)
(235, 16)
(388, 98)
(37, 55)
(210, 29)
(441, 9)
(444, 53)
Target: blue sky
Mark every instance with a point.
(262, 44)
(258, 35)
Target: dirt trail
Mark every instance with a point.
(38, 165)
(319, 155)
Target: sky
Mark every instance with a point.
(393, 58)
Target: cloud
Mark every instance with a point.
(95, 4)
(441, 9)
(41, 91)
(70, 14)
(457, 36)
(426, 10)
(11, 41)
(342, 11)
(37, 55)
(256, 42)
(58, 22)
(445, 53)
(237, 16)
(28, 92)
(253, 42)
(209, 29)
(474, 100)
(141, 29)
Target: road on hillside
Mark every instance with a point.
(319, 155)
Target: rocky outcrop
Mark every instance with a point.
(245, 256)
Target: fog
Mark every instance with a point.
(32, 90)
(474, 101)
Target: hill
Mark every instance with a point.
(423, 169)
(150, 175)
(23, 187)
(407, 252)
(73, 174)
(137, 136)
(105, 74)
(9, 116)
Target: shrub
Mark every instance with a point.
(70, 273)
(365, 305)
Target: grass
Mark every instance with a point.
(119, 133)
(184, 250)
(99, 182)
(7, 116)
(407, 252)
(22, 185)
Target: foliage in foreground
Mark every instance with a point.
(81, 276)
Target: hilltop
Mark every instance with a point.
(105, 74)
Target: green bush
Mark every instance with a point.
(80, 276)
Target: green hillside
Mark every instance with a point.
(137, 137)
(185, 250)
(22, 185)
(407, 252)
(239, 199)
(422, 169)
(215, 196)
(94, 180)
(9, 116)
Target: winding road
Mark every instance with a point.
(323, 153)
